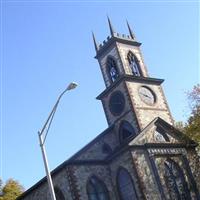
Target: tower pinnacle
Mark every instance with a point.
(95, 42)
(111, 27)
(130, 31)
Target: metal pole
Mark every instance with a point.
(51, 188)
(71, 86)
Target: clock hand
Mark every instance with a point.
(146, 95)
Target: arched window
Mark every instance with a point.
(125, 185)
(112, 69)
(175, 181)
(126, 131)
(96, 189)
(133, 63)
(59, 194)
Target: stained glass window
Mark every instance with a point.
(96, 189)
(175, 181)
(133, 63)
(125, 185)
(112, 68)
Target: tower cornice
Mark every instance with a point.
(124, 39)
(130, 78)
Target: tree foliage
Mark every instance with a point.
(192, 127)
(11, 190)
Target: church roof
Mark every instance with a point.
(69, 161)
(178, 138)
(132, 143)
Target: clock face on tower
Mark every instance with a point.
(116, 103)
(147, 95)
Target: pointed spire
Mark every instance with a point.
(95, 42)
(111, 27)
(130, 31)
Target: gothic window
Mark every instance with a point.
(126, 131)
(133, 63)
(112, 69)
(96, 189)
(175, 181)
(59, 194)
(125, 185)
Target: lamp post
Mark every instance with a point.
(42, 137)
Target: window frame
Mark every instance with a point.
(131, 180)
(103, 185)
(108, 68)
(182, 177)
(137, 62)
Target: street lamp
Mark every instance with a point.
(42, 137)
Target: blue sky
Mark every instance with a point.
(47, 44)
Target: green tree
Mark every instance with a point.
(11, 190)
(192, 127)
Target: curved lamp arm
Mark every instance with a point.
(71, 86)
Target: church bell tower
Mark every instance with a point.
(131, 96)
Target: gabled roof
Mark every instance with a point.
(170, 130)
(70, 161)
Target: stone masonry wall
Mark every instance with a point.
(102, 172)
(146, 113)
(60, 181)
(125, 161)
(147, 180)
(95, 150)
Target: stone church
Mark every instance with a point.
(140, 155)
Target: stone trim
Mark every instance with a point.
(165, 101)
(169, 151)
(134, 112)
(111, 180)
(131, 78)
(190, 176)
(120, 58)
(108, 49)
(156, 175)
(112, 40)
(140, 193)
(75, 193)
(106, 111)
(144, 65)
(102, 73)
(150, 108)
